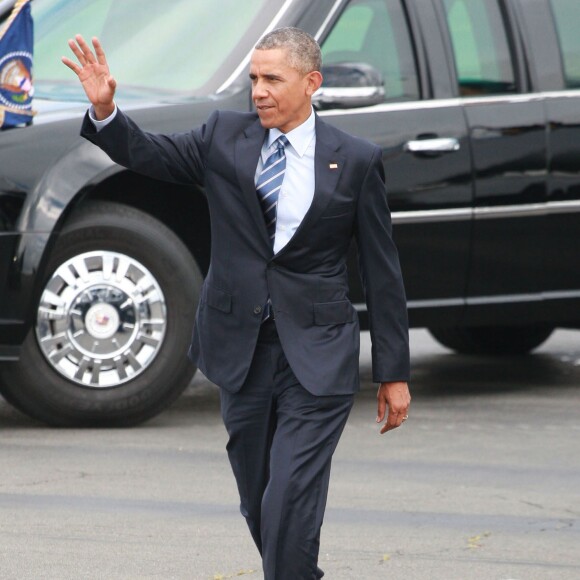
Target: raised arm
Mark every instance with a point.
(177, 158)
(93, 72)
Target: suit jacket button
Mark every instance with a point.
(257, 309)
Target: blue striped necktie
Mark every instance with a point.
(270, 182)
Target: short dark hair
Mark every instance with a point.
(303, 51)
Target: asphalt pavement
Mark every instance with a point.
(481, 483)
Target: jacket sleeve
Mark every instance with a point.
(382, 278)
(178, 158)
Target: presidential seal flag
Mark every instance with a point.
(16, 41)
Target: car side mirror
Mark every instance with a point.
(349, 84)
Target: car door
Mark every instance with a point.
(424, 142)
(562, 96)
(508, 140)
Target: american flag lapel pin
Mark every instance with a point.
(333, 166)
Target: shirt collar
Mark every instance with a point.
(300, 137)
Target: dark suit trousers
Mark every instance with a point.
(281, 442)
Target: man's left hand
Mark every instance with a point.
(396, 398)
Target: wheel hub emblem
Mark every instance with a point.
(102, 320)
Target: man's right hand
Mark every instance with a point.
(93, 72)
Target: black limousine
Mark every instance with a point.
(475, 104)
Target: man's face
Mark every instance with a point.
(281, 94)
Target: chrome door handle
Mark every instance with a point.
(440, 145)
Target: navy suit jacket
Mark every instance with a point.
(307, 280)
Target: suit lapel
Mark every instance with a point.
(328, 166)
(247, 152)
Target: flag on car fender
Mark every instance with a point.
(16, 47)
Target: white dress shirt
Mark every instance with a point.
(298, 186)
(101, 124)
(297, 190)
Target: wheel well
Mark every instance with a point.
(183, 209)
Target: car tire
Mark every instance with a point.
(108, 346)
(492, 340)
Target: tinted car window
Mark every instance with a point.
(375, 32)
(567, 17)
(480, 46)
(160, 48)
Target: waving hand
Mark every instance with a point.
(93, 72)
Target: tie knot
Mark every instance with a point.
(282, 142)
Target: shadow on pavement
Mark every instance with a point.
(437, 373)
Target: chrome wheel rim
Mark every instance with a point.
(101, 319)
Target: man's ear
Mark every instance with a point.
(314, 80)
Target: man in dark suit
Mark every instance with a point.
(275, 329)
